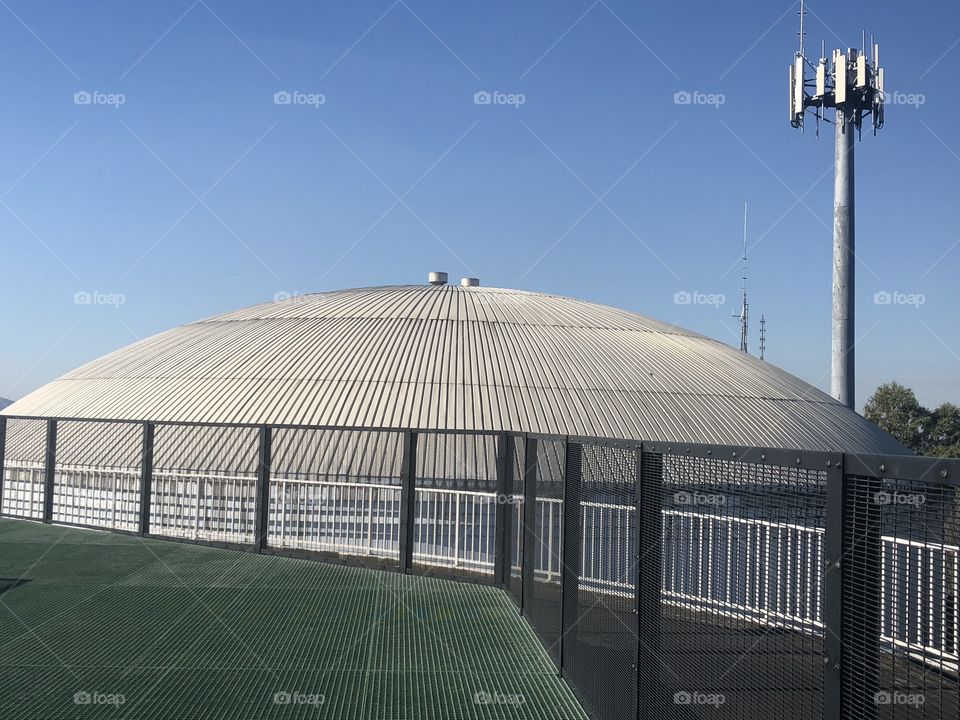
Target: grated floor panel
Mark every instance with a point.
(95, 625)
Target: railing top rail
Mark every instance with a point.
(904, 467)
(913, 468)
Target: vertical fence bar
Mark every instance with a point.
(504, 517)
(146, 479)
(408, 505)
(50, 457)
(3, 454)
(261, 512)
(570, 558)
(833, 588)
(861, 587)
(648, 554)
(528, 537)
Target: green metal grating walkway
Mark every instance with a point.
(94, 625)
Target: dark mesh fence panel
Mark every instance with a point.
(544, 609)
(599, 650)
(515, 542)
(97, 477)
(23, 474)
(741, 629)
(336, 491)
(204, 483)
(455, 505)
(900, 609)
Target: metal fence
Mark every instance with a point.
(664, 581)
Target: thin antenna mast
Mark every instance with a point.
(744, 315)
(763, 336)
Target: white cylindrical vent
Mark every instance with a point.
(470, 282)
(437, 278)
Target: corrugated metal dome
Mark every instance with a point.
(456, 357)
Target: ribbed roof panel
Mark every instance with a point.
(456, 357)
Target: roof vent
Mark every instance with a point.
(470, 282)
(437, 278)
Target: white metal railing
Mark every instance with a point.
(455, 528)
(914, 613)
(335, 516)
(23, 489)
(767, 571)
(203, 506)
(101, 497)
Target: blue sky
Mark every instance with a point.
(183, 190)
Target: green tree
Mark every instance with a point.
(944, 430)
(895, 408)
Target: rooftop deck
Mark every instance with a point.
(95, 624)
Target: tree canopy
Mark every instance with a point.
(895, 408)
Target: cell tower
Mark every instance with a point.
(744, 314)
(853, 86)
(763, 336)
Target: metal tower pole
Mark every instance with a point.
(842, 362)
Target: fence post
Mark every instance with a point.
(833, 545)
(146, 479)
(570, 560)
(852, 590)
(502, 552)
(261, 513)
(408, 498)
(529, 522)
(50, 457)
(648, 554)
(3, 454)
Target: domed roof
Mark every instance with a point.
(453, 357)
